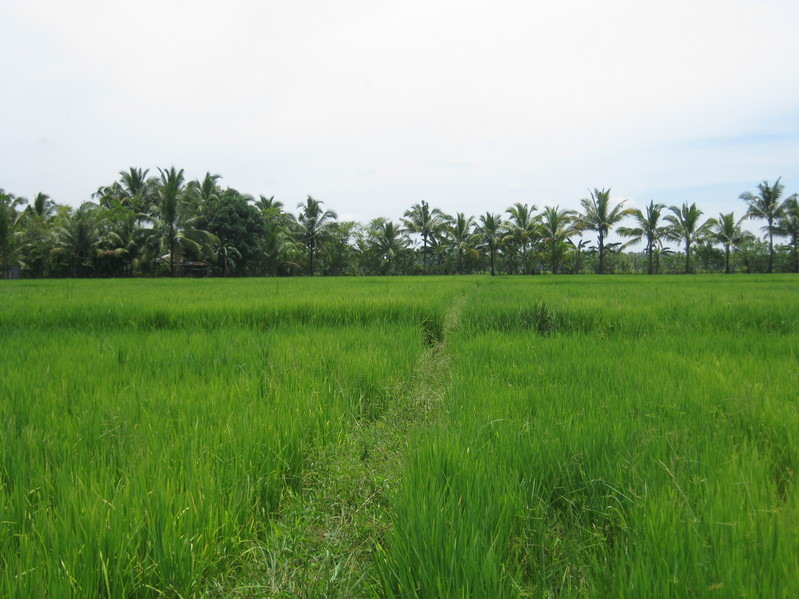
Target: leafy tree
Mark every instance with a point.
(684, 227)
(8, 220)
(235, 222)
(753, 255)
(728, 232)
(522, 230)
(766, 205)
(788, 226)
(314, 223)
(710, 257)
(577, 251)
(556, 227)
(490, 232)
(428, 223)
(648, 228)
(600, 216)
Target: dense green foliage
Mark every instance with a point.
(573, 437)
(164, 225)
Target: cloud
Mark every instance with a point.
(445, 101)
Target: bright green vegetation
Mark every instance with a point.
(149, 431)
(469, 437)
(610, 438)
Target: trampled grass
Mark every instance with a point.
(597, 436)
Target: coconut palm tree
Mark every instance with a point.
(648, 228)
(728, 232)
(387, 240)
(490, 232)
(556, 227)
(33, 234)
(462, 237)
(173, 225)
(135, 183)
(203, 193)
(600, 216)
(122, 238)
(226, 255)
(43, 207)
(276, 231)
(135, 190)
(766, 205)
(77, 236)
(313, 223)
(421, 220)
(788, 226)
(684, 228)
(522, 230)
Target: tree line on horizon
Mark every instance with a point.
(163, 225)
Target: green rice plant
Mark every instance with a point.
(140, 462)
(633, 305)
(158, 304)
(591, 437)
(626, 455)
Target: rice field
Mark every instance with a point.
(592, 436)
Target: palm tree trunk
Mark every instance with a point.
(424, 254)
(554, 261)
(601, 253)
(726, 259)
(524, 259)
(687, 257)
(770, 247)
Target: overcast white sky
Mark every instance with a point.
(373, 106)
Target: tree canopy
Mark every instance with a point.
(146, 225)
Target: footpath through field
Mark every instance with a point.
(328, 534)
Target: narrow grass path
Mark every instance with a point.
(323, 540)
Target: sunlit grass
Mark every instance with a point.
(591, 437)
(652, 458)
(140, 459)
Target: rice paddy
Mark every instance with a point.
(400, 437)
